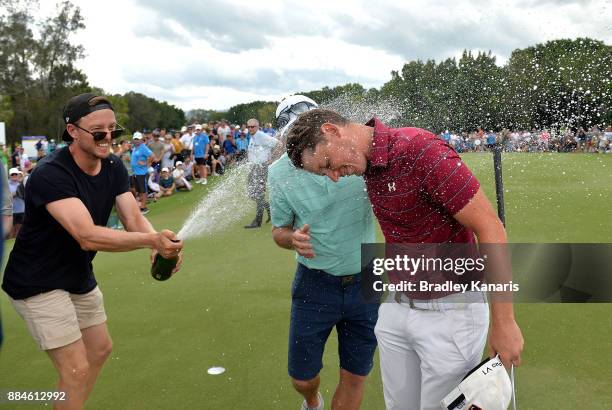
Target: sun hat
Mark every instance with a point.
(487, 386)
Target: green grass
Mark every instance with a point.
(552, 197)
(229, 306)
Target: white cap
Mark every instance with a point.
(137, 136)
(178, 163)
(184, 128)
(237, 127)
(293, 100)
(487, 386)
(286, 104)
(15, 171)
(198, 127)
(164, 169)
(216, 147)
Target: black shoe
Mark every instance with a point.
(269, 218)
(253, 224)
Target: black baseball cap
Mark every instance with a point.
(81, 105)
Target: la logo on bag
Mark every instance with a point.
(391, 186)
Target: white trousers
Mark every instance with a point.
(424, 354)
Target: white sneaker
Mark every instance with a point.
(204, 181)
(319, 407)
(215, 174)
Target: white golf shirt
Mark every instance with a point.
(260, 147)
(187, 141)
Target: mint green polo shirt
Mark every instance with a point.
(339, 215)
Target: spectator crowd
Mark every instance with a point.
(162, 162)
(594, 140)
(159, 162)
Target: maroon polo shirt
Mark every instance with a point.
(416, 183)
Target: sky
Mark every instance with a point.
(214, 54)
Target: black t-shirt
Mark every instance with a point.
(15, 159)
(45, 256)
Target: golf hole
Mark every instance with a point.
(215, 371)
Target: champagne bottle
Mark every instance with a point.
(162, 267)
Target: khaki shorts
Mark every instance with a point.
(55, 318)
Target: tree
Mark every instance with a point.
(38, 74)
(477, 92)
(55, 55)
(54, 66)
(147, 112)
(169, 115)
(561, 82)
(546, 85)
(6, 109)
(203, 116)
(121, 107)
(327, 95)
(264, 111)
(142, 110)
(16, 50)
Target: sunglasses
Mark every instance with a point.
(285, 115)
(251, 126)
(100, 135)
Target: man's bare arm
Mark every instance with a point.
(282, 236)
(505, 337)
(72, 214)
(129, 214)
(7, 224)
(299, 239)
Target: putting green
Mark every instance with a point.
(229, 307)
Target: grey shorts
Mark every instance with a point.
(55, 318)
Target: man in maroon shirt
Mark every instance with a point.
(421, 192)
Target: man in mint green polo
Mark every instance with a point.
(325, 223)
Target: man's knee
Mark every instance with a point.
(101, 352)
(351, 380)
(305, 385)
(75, 374)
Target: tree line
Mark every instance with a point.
(562, 83)
(551, 85)
(38, 75)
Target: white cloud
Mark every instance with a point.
(217, 53)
